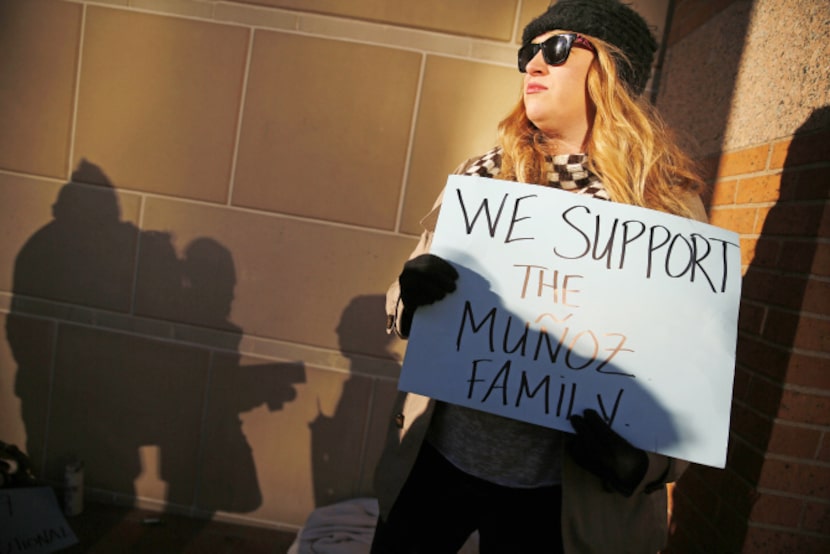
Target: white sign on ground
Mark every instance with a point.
(31, 521)
(566, 302)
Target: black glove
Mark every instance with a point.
(597, 448)
(424, 280)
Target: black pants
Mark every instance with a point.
(440, 506)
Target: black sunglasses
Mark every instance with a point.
(555, 50)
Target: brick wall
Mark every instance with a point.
(773, 494)
(757, 117)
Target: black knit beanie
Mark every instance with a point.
(607, 20)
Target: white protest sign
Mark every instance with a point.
(31, 522)
(566, 302)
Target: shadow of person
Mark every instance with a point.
(208, 284)
(229, 475)
(150, 417)
(336, 467)
(84, 256)
(777, 302)
(199, 289)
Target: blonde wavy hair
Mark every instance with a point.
(629, 147)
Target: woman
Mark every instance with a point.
(448, 470)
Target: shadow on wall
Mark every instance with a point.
(705, 47)
(148, 417)
(361, 337)
(775, 287)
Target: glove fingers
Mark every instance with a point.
(430, 263)
(602, 451)
(430, 283)
(584, 455)
(604, 434)
(426, 279)
(586, 439)
(597, 425)
(423, 292)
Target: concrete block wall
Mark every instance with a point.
(202, 204)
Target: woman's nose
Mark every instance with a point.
(537, 64)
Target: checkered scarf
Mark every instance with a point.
(564, 171)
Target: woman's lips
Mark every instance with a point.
(532, 88)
